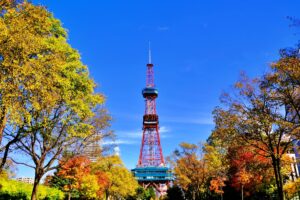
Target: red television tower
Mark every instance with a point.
(151, 170)
(151, 151)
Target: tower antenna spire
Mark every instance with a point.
(150, 52)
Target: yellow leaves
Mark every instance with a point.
(238, 85)
(121, 181)
(291, 188)
(44, 84)
(288, 66)
(80, 130)
(14, 188)
(187, 147)
(190, 168)
(89, 186)
(286, 164)
(40, 69)
(215, 158)
(3, 30)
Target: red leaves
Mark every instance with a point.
(248, 168)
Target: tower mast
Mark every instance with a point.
(150, 53)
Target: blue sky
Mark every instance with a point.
(199, 49)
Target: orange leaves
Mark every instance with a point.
(106, 176)
(74, 170)
(216, 185)
(103, 182)
(244, 177)
(78, 173)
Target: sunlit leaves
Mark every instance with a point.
(291, 188)
(120, 181)
(216, 185)
(190, 169)
(47, 96)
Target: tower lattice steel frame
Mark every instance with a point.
(151, 170)
(151, 151)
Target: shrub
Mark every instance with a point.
(15, 190)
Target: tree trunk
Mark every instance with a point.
(37, 178)
(34, 190)
(278, 177)
(280, 188)
(69, 195)
(106, 195)
(242, 192)
(3, 120)
(194, 195)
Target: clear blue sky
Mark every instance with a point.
(199, 49)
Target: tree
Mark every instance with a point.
(46, 93)
(190, 169)
(143, 194)
(29, 61)
(217, 165)
(121, 182)
(46, 145)
(73, 172)
(249, 171)
(74, 176)
(283, 82)
(259, 120)
(175, 193)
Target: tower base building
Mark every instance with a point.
(159, 178)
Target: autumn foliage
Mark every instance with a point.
(249, 169)
(248, 152)
(75, 170)
(105, 178)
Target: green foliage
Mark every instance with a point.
(143, 194)
(14, 190)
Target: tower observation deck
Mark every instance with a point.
(151, 170)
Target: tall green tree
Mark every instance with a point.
(47, 98)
